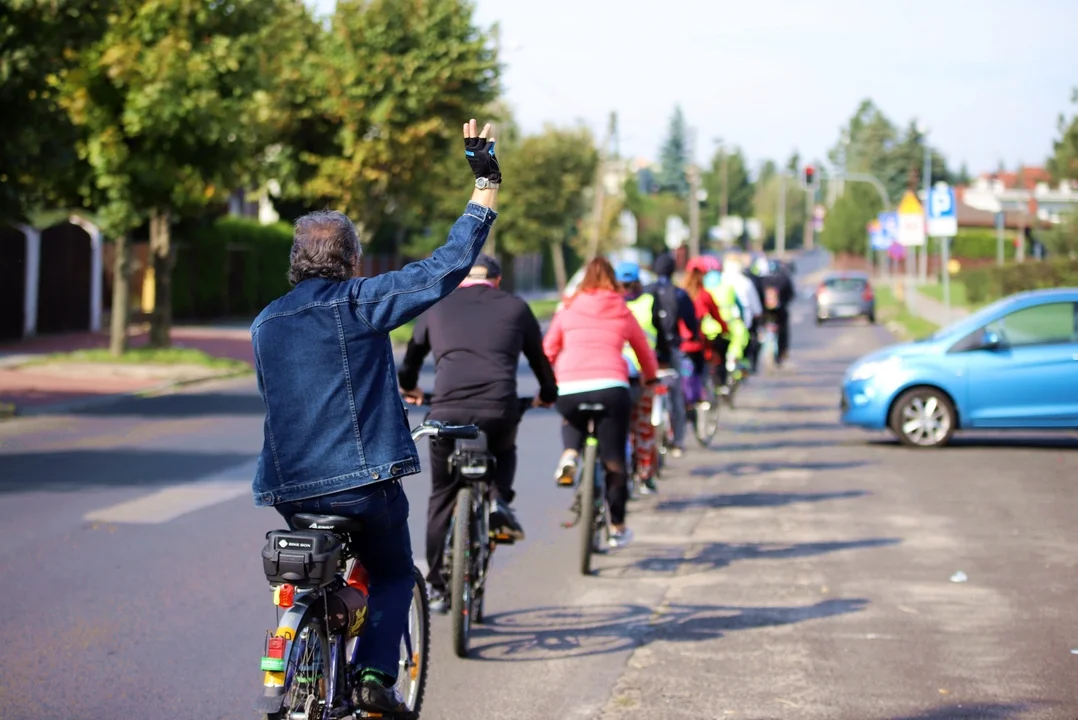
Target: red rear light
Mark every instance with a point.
(867, 296)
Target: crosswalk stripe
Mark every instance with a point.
(171, 502)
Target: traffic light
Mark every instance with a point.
(810, 176)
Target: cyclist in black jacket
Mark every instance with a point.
(477, 334)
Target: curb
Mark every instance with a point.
(70, 406)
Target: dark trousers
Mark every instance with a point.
(384, 548)
(612, 431)
(782, 319)
(721, 346)
(501, 434)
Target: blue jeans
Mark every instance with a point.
(676, 397)
(385, 550)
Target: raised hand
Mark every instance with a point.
(479, 150)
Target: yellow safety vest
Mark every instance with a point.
(724, 297)
(642, 308)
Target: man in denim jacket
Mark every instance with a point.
(337, 440)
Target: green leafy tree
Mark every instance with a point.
(674, 156)
(1064, 161)
(172, 102)
(395, 81)
(739, 187)
(651, 212)
(545, 199)
(40, 43)
(767, 200)
(846, 228)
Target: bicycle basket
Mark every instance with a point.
(304, 558)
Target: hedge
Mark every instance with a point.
(988, 284)
(232, 267)
(979, 243)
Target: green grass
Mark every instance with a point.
(543, 309)
(149, 356)
(890, 309)
(958, 294)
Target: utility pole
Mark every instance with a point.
(780, 225)
(927, 182)
(810, 216)
(600, 189)
(725, 183)
(694, 197)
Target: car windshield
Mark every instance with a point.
(845, 284)
(971, 322)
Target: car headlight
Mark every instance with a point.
(864, 371)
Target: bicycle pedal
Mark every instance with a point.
(503, 538)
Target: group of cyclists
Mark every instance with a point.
(337, 439)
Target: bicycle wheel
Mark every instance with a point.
(460, 576)
(587, 504)
(415, 647)
(305, 680)
(707, 414)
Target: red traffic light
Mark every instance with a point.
(810, 175)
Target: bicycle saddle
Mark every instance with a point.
(332, 523)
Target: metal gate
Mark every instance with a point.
(12, 283)
(63, 303)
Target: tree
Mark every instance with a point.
(846, 228)
(740, 189)
(766, 201)
(963, 177)
(394, 83)
(173, 101)
(1064, 161)
(674, 156)
(545, 199)
(39, 44)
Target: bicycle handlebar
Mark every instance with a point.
(439, 429)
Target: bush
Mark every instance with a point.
(987, 284)
(232, 266)
(980, 243)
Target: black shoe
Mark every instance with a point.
(439, 600)
(373, 696)
(504, 523)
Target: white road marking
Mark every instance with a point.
(171, 502)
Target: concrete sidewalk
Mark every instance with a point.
(34, 390)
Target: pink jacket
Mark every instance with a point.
(586, 338)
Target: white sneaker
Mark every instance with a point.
(566, 472)
(620, 539)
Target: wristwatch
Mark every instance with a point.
(485, 183)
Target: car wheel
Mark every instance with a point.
(923, 417)
(819, 320)
(872, 318)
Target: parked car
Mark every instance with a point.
(845, 295)
(1010, 365)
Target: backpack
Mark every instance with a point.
(666, 312)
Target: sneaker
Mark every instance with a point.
(620, 539)
(648, 487)
(374, 697)
(676, 452)
(565, 475)
(504, 522)
(439, 600)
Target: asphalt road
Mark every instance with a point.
(796, 570)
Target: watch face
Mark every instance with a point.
(482, 183)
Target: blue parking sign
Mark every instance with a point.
(888, 230)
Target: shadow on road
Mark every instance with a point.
(753, 499)
(181, 405)
(779, 444)
(69, 470)
(975, 711)
(781, 427)
(741, 469)
(974, 442)
(789, 408)
(549, 633)
(692, 558)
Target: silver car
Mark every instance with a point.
(845, 295)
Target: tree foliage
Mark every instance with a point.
(846, 228)
(674, 156)
(391, 84)
(1064, 161)
(740, 188)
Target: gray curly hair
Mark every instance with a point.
(324, 245)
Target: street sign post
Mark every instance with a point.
(943, 224)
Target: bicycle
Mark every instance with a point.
(589, 502)
(660, 416)
(320, 584)
(470, 531)
(704, 415)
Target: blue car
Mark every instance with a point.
(1012, 364)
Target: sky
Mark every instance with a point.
(988, 77)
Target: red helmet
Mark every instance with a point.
(698, 263)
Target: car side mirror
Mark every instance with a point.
(991, 340)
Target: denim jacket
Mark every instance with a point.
(325, 370)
